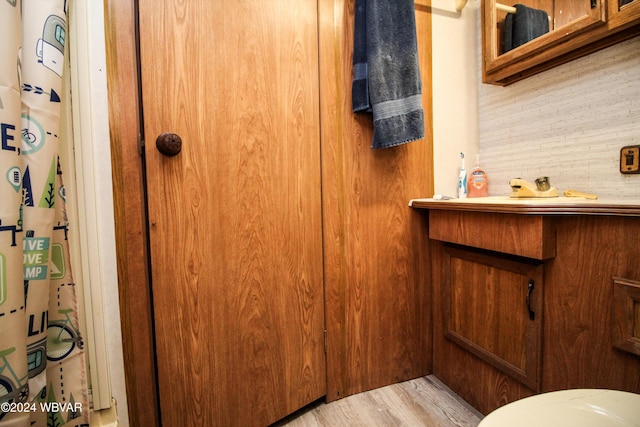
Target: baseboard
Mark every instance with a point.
(105, 417)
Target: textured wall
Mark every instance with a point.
(567, 123)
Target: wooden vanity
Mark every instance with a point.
(531, 296)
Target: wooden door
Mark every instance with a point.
(235, 217)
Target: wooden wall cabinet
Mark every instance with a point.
(585, 329)
(576, 28)
(623, 12)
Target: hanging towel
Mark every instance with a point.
(391, 74)
(523, 26)
(360, 86)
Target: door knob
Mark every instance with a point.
(169, 144)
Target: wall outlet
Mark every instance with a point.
(630, 159)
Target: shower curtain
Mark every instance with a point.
(42, 372)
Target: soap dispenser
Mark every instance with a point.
(478, 181)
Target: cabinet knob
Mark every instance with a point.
(169, 144)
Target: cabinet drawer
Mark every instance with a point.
(531, 236)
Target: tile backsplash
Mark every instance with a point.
(568, 123)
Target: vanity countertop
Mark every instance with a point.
(541, 206)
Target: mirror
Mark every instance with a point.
(530, 19)
(518, 30)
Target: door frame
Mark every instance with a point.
(136, 312)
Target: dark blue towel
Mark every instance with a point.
(360, 86)
(523, 26)
(391, 72)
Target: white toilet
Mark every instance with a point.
(569, 408)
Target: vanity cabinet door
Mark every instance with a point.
(493, 309)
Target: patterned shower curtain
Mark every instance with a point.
(42, 372)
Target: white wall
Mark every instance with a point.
(455, 91)
(567, 123)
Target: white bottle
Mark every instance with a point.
(462, 180)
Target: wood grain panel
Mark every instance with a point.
(408, 315)
(479, 383)
(478, 306)
(375, 247)
(566, 11)
(128, 197)
(625, 317)
(579, 333)
(486, 309)
(236, 237)
(620, 16)
(522, 235)
(579, 304)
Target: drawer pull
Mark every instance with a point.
(532, 314)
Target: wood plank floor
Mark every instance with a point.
(424, 401)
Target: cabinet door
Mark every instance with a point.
(623, 13)
(493, 309)
(566, 21)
